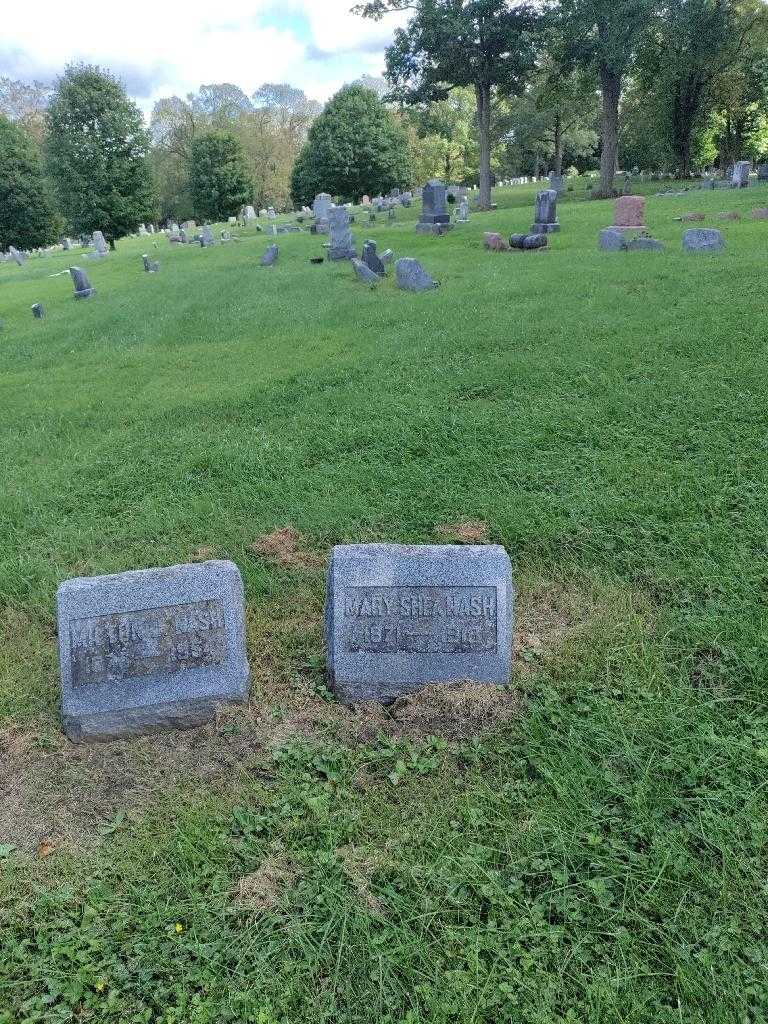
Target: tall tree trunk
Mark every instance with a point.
(610, 87)
(483, 95)
(558, 161)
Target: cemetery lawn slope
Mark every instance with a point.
(589, 846)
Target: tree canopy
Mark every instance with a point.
(220, 183)
(27, 216)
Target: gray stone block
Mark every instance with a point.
(37, 311)
(412, 276)
(703, 240)
(372, 260)
(433, 229)
(269, 259)
(399, 617)
(83, 289)
(365, 273)
(150, 650)
(612, 240)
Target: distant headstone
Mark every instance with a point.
(271, 212)
(462, 210)
(412, 276)
(183, 237)
(364, 272)
(269, 259)
(762, 172)
(189, 225)
(150, 266)
(761, 213)
(494, 242)
(387, 256)
(206, 237)
(263, 213)
(100, 243)
(434, 219)
(16, 256)
(546, 213)
(366, 201)
(143, 230)
(612, 240)
(342, 245)
(401, 617)
(37, 311)
(703, 240)
(66, 245)
(629, 212)
(83, 289)
(322, 211)
(691, 218)
(741, 171)
(372, 260)
(150, 650)
(232, 221)
(556, 183)
(729, 215)
(249, 213)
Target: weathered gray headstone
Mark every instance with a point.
(143, 230)
(462, 210)
(546, 213)
(100, 244)
(249, 213)
(206, 237)
(703, 240)
(387, 256)
(322, 211)
(365, 273)
(150, 266)
(342, 245)
(434, 219)
(83, 289)
(557, 183)
(400, 617)
(66, 245)
(269, 259)
(183, 237)
(372, 260)
(741, 171)
(412, 276)
(149, 650)
(612, 240)
(762, 172)
(37, 311)
(16, 256)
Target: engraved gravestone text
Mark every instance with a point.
(130, 645)
(419, 620)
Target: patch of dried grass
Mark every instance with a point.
(286, 546)
(473, 531)
(263, 889)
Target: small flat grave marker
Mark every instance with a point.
(399, 617)
(150, 650)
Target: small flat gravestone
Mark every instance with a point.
(150, 650)
(412, 276)
(150, 266)
(269, 259)
(400, 617)
(644, 243)
(761, 213)
(703, 240)
(612, 240)
(83, 289)
(365, 273)
(493, 241)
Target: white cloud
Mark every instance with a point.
(161, 47)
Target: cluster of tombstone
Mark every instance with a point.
(628, 233)
(164, 648)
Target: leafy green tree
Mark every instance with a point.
(692, 44)
(219, 178)
(97, 152)
(27, 217)
(604, 36)
(487, 45)
(355, 146)
(447, 138)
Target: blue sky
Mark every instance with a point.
(166, 47)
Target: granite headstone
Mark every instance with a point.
(412, 277)
(401, 617)
(149, 650)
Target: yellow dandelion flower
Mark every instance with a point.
(179, 928)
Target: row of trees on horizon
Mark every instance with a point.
(474, 90)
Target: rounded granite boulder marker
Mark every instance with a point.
(150, 650)
(399, 617)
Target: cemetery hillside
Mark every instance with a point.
(383, 519)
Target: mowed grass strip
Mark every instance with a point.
(598, 857)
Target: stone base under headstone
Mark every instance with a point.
(433, 229)
(544, 229)
(85, 294)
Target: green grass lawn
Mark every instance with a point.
(589, 848)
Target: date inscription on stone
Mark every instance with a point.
(420, 620)
(129, 645)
